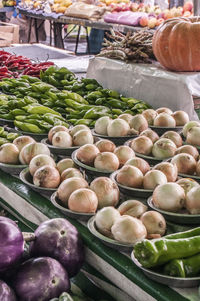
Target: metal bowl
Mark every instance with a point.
(6, 122)
(27, 179)
(129, 191)
(117, 140)
(165, 279)
(89, 169)
(161, 130)
(59, 150)
(73, 214)
(13, 169)
(106, 240)
(181, 217)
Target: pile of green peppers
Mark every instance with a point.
(6, 137)
(177, 255)
(79, 101)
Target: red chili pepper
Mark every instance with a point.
(3, 69)
(14, 65)
(4, 57)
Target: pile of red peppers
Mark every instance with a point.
(14, 66)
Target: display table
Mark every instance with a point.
(32, 208)
(149, 82)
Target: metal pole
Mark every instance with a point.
(196, 7)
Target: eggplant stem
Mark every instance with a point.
(28, 236)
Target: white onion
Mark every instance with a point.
(150, 134)
(181, 118)
(127, 117)
(174, 136)
(118, 127)
(31, 150)
(153, 178)
(139, 123)
(169, 197)
(9, 153)
(62, 139)
(64, 164)
(106, 190)
(55, 129)
(164, 110)
(164, 120)
(83, 200)
(163, 148)
(68, 186)
(142, 145)
(105, 218)
(128, 229)
(101, 125)
(70, 173)
(193, 136)
(192, 203)
(188, 149)
(169, 169)
(189, 125)
(185, 163)
(78, 128)
(105, 145)
(21, 141)
(154, 222)
(150, 115)
(46, 176)
(139, 163)
(83, 137)
(198, 168)
(130, 176)
(87, 154)
(133, 208)
(124, 153)
(39, 161)
(187, 184)
(106, 162)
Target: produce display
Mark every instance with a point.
(6, 137)
(56, 6)
(135, 47)
(175, 255)
(130, 223)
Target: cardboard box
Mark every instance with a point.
(9, 32)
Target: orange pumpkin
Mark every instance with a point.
(176, 44)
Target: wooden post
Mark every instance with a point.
(196, 7)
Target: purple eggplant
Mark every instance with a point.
(11, 243)
(6, 293)
(40, 279)
(59, 239)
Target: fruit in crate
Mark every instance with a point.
(182, 32)
(9, 3)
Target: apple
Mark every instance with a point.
(188, 6)
(143, 21)
(159, 21)
(152, 23)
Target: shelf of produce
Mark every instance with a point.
(33, 209)
(77, 21)
(149, 82)
(88, 282)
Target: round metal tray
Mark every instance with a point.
(117, 140)
(181, 217)
(196, 178)
(6, 122)
(165, 279)
(161, 130)
(129, 191)
(89, 169)
(59, 150)
(106, 240)
(73, 214)
(13, 169)
(27, 179)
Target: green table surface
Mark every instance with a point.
(31, 208)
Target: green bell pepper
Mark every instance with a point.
(74, 96)
(83, 121)
(28, 127)
(187, 267)
(157, 252)
(16, 112)
(3, 141)
(1, 130)
(12, 136)
(41, 87)
(185, 234)
(38, 109)
(97, 112)
(116, 103)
